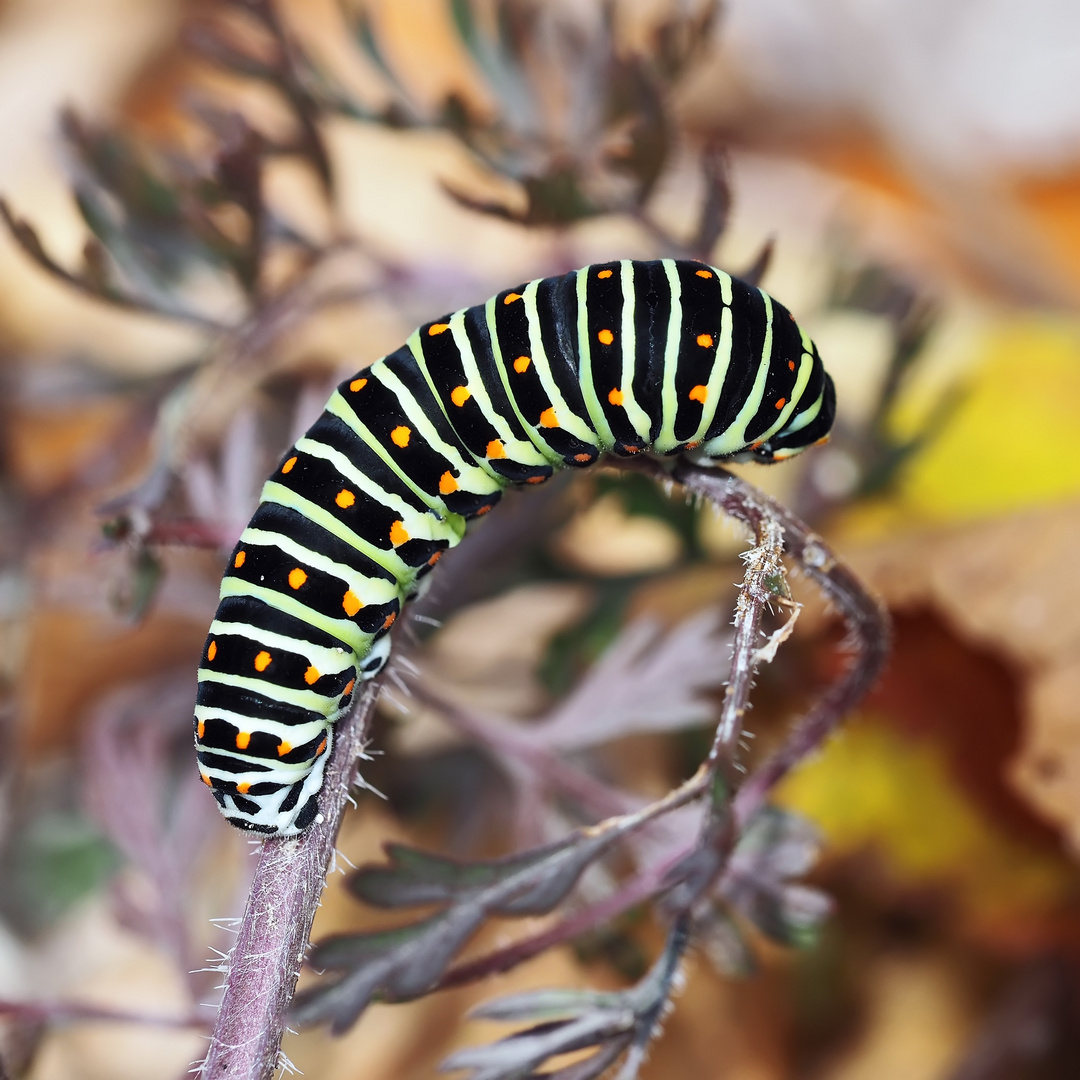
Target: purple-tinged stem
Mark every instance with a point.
(265, 960)
(643, 887)
(865, 615)
(69, 1012)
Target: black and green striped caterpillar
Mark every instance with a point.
(618, 358)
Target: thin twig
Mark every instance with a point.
(26, 237)
(866, 617)
(697, 874)
(677, 943)
(68, 1012)
(642, 888)
(763, 562)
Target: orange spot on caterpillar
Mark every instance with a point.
(447, 483)
(239, 560)
(548, 417)
(288, 466)
(311, 676)
(398, 533)
(389, 620)
(438, 328)
(705, 340)
(211, 651)
(535, 479)
(200, 731)
(823, 440)
(482, 511)
(322, 747)
(243, 740)
(459, 395)
(521, 364)
(616, 396)
(781, 403)
(699, 393)
(345, 498)
(262, 661)
(434, 558)
(357, 385)
(348, 688)
(791, 365)
(583, 457)
(495, 449)
(605, 273)
(703, 273)
(400, 436)
(693, 445)
(206, 780)
(297, 577)
(628, 449)
(283, 748)
(351, 603)
(605, 337)
(243, 787)
(510, 297)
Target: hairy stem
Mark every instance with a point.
(674, 949)
(865, 616)
(733, 804)
(269, 950)
(697, 874)
(763, 565)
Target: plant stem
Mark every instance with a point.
(265, 960)
(865, 615)
(269, 950)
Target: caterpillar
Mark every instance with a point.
(621, 358)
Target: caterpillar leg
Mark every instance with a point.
(376, 659)
(281, 809)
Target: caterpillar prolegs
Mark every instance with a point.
(619, 358)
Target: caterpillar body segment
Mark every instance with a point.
(618, 358)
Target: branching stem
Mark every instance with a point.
(291, 873)
(869, 632)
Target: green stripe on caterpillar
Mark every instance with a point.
(663, 357)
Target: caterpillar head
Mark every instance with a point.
(808, 421)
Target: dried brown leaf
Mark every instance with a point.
(1008, 584)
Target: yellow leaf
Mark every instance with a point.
(874, 788)
(1015, 439)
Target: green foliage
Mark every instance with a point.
(57, 859)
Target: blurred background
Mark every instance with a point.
(215, 210)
